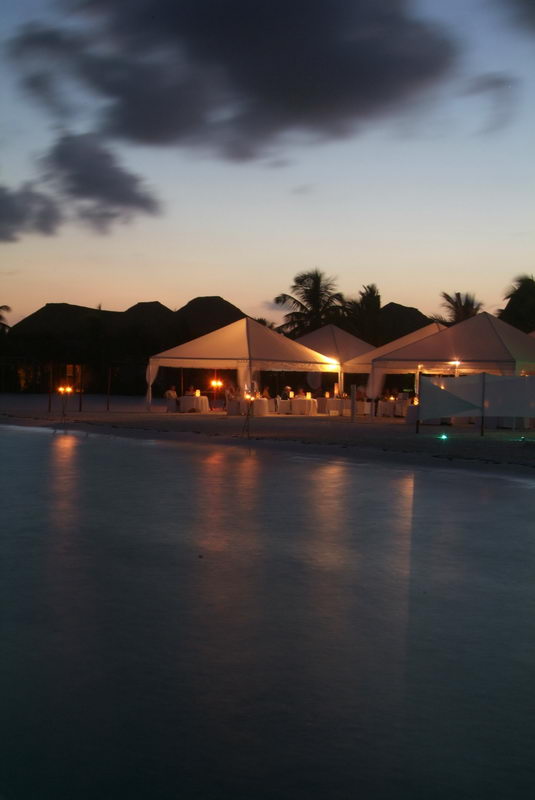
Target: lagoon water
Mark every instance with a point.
(205, 622)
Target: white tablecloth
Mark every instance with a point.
(238, 406)
(386, 408)
(344, 404)
(192, 403)
(303, 407)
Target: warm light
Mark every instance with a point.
(415, 402)
(215, 384)
(65, 389)
(332, 361)
(309, 395)
(327, 395)
(391, 397)
(197, 392)
(248, 396)
(454, 363)
(291, 395)
(420, 366)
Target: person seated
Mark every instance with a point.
(172, 398)
(191, 391)
(300, 392)
(265, 393)
(285, 394)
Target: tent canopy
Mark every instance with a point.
(363, 363)
(335, 343)
(246, 346)
(243, 342)
(479, 344)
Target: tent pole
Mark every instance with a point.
(108, 390)
(81, 387)
(482, 432)
(50, 384)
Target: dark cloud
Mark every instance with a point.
(87, 172)
(27, 210)
(235, 75)
(523, 11)
(502, 90)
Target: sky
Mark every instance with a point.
(167, 149)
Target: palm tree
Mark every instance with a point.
(314, 303)
(520, 309)
(265, 322)
(4, 327)
(458, 308)
(361, 315)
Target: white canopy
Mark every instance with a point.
(365, 362)
(479, 344)
(335, 343)
(245, 345)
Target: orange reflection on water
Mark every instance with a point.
(325, 541)
(64, 481)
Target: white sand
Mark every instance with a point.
(388, 439)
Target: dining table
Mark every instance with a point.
(239, 406)
(301, 406)
(194, 403)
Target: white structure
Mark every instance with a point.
(337, 344)
(479, 344)
(365, 362)
(246, 346)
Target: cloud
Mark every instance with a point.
(87, 172)
(236, 76)
(502, 90)
(303, 188)
(27, 210)
(523, 11)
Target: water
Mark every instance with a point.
(201, 622)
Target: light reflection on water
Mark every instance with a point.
(201, 622)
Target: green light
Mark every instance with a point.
(443, 436)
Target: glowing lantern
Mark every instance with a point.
(327, 395)
(291, 395)
(309, 395)
(197, 392)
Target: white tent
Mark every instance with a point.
(244, 345)
(335, 343)
(479, 344)
(365, 362)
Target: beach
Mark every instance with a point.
(387, 439)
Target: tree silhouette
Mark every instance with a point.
(4, 327)
(362, 314)
(314, 303)
(520, 309)
(458, 308)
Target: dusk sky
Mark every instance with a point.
(166, 149)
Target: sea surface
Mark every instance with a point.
(208, 622)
